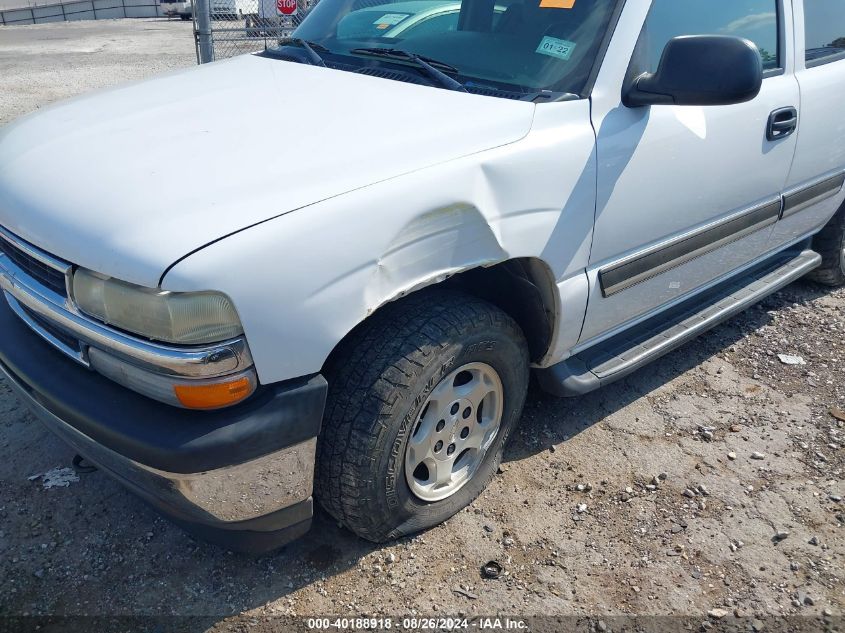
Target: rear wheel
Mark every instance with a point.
(422, 399)
(830, 244)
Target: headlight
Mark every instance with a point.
(187, 318)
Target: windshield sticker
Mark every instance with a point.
(554, 47)
(557, 4)
(390, 19)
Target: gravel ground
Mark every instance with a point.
(707, 486)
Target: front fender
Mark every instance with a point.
(304, 280)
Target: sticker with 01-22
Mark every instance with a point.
(554, 47)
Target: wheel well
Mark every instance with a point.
(524, 288)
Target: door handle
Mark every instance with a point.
(782, 123)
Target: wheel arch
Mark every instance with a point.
(522, 287)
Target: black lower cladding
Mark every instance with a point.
(257, 536)
(149, 432)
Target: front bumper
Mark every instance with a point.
(241, 477)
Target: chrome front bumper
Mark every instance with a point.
(217, 497)
(240, 476)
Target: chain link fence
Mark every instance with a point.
(225, 28)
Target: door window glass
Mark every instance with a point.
(755, 20)
(824, 29)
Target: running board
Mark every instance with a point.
(626, 352)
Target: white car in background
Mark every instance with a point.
(180, 8)
(404, 19)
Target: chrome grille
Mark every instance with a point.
(38, 270)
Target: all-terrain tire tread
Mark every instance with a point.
(374, 366)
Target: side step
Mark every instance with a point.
(626, 352)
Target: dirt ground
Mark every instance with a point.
(43, 63)
(708, 485)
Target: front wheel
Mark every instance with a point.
(422, 399)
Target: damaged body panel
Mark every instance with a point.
(152, 222)
(318, 273)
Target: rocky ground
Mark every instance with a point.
(708, 486)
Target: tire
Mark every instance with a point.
(830, 244)
(380, 380)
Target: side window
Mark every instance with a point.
(755, 20)
(824, 30)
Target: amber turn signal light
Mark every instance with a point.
(215, 395)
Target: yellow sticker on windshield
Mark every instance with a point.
(557, 4)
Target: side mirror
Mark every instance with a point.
(701, 70)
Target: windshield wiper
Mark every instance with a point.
(313, 56)
(426, 63)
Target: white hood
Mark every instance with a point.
(128, 180)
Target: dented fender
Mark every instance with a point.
(304, 280)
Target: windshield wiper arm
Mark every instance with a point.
(426, 63)
(543, 96)
(313, 56)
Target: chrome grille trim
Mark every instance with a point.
(9, 243)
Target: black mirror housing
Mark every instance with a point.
(701, 70)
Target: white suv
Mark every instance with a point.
(354, 301)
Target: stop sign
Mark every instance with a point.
(286, 7)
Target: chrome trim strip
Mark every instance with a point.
(192, 362)
(16, 307)
(804, 196)
(650, 262)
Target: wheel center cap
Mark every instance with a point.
(458, 419)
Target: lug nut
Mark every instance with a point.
(467, 413)
(455, 408)
(451, 449)
(464, 432)
(440, 425)
(438, 446)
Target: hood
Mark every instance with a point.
(129, 180)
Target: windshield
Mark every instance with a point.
(521, 46)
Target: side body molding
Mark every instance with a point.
(805, 196)
(622, 274)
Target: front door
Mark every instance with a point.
(685, 195)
